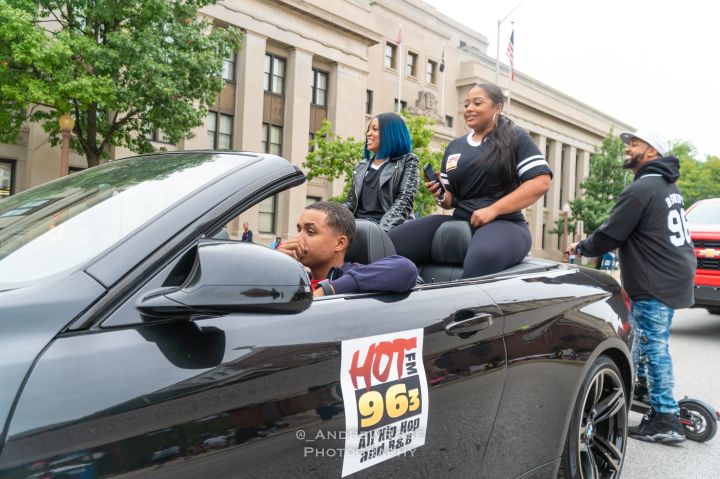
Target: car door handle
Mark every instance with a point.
(469, 325)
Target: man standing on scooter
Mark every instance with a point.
(657, 262)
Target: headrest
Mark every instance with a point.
(450, 242)
(371, 243)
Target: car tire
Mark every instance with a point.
(597, 435)
(714, 310)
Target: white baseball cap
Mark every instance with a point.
(652, 138)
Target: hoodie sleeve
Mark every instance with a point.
(394, 274)
(625, 215)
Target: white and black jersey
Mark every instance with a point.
(476, 178)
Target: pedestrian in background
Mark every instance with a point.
(247, 235)
(649, 226)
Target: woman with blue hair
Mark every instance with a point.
(383, 186)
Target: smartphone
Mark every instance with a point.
(431, 176)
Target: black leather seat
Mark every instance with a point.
(370, 244)
(449, 245)
(448, 249)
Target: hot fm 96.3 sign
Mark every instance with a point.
(385, 396)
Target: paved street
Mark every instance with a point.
(695, 346)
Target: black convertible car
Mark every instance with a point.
(134, 343)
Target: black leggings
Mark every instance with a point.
(493, 247)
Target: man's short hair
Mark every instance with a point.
(338, 217)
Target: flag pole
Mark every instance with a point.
(511, 68)
(442, 85)
(400, 68)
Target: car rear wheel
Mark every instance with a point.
(597, 437)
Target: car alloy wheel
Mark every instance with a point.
(597, 438)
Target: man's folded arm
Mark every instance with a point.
(394, 274)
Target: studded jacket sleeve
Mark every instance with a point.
(404, 201)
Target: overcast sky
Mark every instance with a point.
(651, 64)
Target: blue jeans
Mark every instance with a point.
(651, 320)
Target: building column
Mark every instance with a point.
(583, 171)
(346, 100)
(247, 124)
(537, 212)
(249, 93)
(553, 201)
(568, 173)
(296, 135)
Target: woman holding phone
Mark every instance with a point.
(383, 186)
(488, 176)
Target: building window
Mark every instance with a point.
(274, 81)
(312, 199)
(390, 56)
(272, 139)
(319, 88)
(266, 216)
(448, 121)
(431, 72)
(368, 102)
(411, 64)
(403, 105)
(7, 178)
(157, 135)
(228, 70)
(219, 133)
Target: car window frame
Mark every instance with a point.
(180, 244)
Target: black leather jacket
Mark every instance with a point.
(398, 186)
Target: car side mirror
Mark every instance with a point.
(232, 277)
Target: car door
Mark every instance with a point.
(251, 394)
(555, 321)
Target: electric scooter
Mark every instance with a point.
(699, 420)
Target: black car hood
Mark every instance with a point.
(30, 317)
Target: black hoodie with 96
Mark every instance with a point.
(648, 223)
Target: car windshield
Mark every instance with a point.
(705, 213)
(65, 223)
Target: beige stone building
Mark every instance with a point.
(304, 61)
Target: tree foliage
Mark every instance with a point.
(698, 179)
(121, 69)
(333, 156)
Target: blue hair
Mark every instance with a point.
(394, 137)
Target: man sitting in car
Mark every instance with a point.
(325, 233)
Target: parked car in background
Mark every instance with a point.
(704, 221)
(131, 335)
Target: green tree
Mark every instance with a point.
(121, 68)
(604, 183)
(333, 156)
(698, 179)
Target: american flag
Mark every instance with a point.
(511, 54)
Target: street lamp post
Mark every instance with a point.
(67, 123)
(565, 214)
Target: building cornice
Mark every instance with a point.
(314, 11)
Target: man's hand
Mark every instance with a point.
(294, 247)
(483, 216)
(572, 249)
(318, 293)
